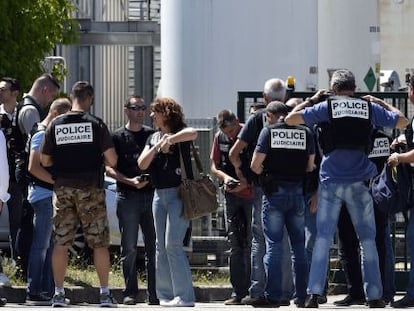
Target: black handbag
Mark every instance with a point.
(199, 196)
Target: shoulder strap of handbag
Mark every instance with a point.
(196, 159)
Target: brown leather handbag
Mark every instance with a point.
(199, 196)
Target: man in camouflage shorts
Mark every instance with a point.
(89, 209)
(78, 145)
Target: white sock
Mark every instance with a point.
(104, 290)
(59, 290)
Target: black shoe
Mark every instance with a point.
(38, 300)
(3, 302)
(233, 301)
(312, 301)
(322, 300)
(349, 301)
(405, 302)
(284, 302)
(271, 303)
(300, 303)
(376, 303)
(255, 301)
(153, 302)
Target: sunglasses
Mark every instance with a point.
(137, 108)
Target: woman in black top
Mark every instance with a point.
(161, 157)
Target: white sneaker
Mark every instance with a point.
(4, 281)
(177, 302)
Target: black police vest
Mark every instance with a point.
(380, 149)
(38, 127)
(77, 146)
(19, 139)
(225, 165)
(349, 125)
(6, 127)
(289, 152)
(129, 145)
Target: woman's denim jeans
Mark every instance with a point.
(40, 275)
(173, 274)
(358, 201)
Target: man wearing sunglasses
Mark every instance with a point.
(134, 199)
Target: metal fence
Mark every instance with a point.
(246, 99)
(397, 222)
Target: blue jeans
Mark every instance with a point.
(331, 196)
(285, 207)
(173, 274)
(258, 275)
(40, 275)
(310, 233)
(310, 229)
(134, 210)
(239, 219)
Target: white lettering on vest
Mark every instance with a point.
(224, 147)
(381, 148)
(73, 133)
(288, 139)
(353, 108)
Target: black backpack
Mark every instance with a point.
(391, 190)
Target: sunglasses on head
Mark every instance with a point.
(136, 108)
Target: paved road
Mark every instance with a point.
(199, 306)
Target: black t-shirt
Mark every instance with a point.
(76, 142)
(165, 169)
(129, 145)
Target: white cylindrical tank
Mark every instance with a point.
(211, 49)
(348, 37)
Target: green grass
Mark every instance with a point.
(82, 273)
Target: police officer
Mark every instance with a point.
(4, 184)
(274, 89)
(9, 91)
(134, 199)
(40, 285)
(346, 124)
(29, 111)
(78, 145)
(394, 160)
(282, 157)
(238, 203)
(348, 241)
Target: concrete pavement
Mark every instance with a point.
(199, 306)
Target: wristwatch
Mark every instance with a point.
(310, 101)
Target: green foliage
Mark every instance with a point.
(29, 30)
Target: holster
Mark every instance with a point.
(268, 183)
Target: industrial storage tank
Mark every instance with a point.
(348, 37)
(212, 49)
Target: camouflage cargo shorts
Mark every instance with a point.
(86, 206)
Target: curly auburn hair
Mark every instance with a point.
(172, 111)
